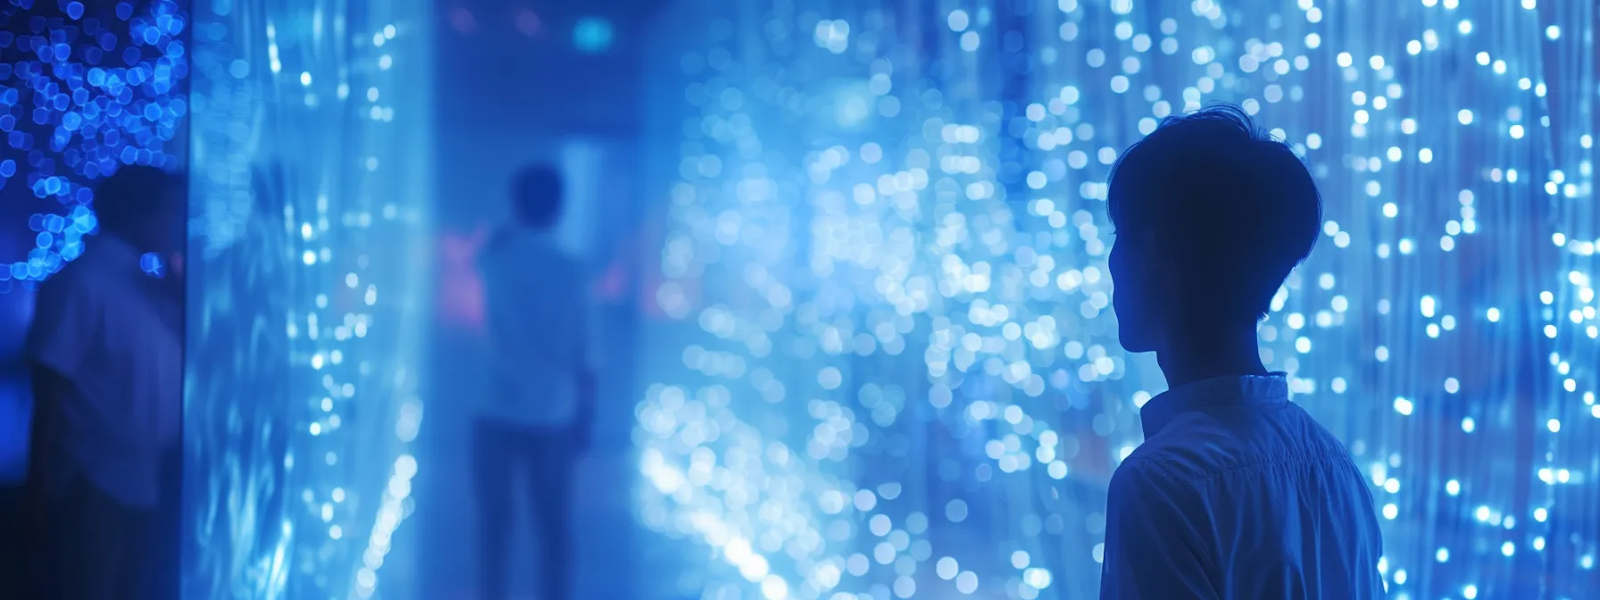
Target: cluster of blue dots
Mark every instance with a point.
(82, 94)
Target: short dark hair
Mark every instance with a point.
(1234, 209)
(135, 195)
(536, 195)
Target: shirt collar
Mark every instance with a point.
(1248, 390)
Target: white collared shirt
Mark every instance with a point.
(538, 318)
(103, 324)
(1238, 493)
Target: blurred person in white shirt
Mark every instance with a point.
(537, 415)
(106, 351)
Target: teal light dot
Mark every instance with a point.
(593, 34)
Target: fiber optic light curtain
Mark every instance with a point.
(899, 373)
(309, 170)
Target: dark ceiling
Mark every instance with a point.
(517, 60)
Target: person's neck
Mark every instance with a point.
(1230, 352)
(129, 244)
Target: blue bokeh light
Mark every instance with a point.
(72, 116)
(593, 34)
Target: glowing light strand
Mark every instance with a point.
(297, 240)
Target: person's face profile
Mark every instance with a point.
(1135, 278)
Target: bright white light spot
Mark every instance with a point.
(970, 41)
(958, 20)
(1402, 406)
(967, 582)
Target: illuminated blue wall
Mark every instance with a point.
(309, 184)
(887, 248)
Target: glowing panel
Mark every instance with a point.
(308, 186)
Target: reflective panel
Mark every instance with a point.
(310, 165)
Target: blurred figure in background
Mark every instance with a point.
(537, 417)
(105, 350)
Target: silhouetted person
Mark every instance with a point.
(1236, 491)
(536, 418)
(105, 348)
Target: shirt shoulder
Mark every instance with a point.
(81, 288)
(1193, 446)
(67, 316)
(106, 268)
(1135, 473)
(524, 253)
(1206, 444)
(1149, 486)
